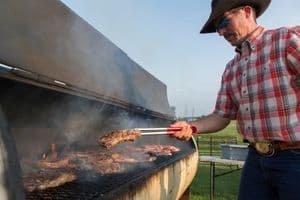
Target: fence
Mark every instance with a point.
(211, 145)
(227, 183)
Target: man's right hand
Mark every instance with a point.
(186, 131)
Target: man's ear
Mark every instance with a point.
(249, 11)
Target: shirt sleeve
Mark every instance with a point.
(293, 48)
(225, 106)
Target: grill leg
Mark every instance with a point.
(11, 184)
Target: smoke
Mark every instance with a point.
(74, 54)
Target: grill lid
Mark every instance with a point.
(50, 41)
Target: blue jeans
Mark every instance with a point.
(271, 178)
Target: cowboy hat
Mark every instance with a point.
(218, 7)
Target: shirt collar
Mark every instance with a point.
(252, 39)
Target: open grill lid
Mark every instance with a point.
(48, 43)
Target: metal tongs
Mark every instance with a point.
(163, 131)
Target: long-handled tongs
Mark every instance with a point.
(163, 131)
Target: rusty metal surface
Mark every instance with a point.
(47, 38)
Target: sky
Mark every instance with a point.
(162, 36)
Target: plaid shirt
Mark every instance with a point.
(261, 86)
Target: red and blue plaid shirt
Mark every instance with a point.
(261, 86)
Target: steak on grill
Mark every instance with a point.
(57, 170)
(42, 179)
(119, 136)
(161, 150)
(49, 164)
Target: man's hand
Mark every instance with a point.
(208, 124)
(186, 131)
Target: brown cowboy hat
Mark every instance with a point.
(218, 7)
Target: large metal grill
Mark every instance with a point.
(32, 124)
(63, 83)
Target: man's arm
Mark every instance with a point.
(208, 124)
(211, 123)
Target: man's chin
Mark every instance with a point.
(235, 43)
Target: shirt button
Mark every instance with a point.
(247, 109)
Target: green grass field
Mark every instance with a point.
(226, 186)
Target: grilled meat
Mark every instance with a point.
(120, 158)
(161, 150)
(53, 164)
(47, 179)
(58, 170)
(101, 162)
(119, 136)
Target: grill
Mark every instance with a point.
(70, 97)
(106, 186)
(34, 130)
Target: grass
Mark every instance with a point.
(226, 186)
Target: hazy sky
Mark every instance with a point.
(163, 37)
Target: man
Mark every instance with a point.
(260, 90)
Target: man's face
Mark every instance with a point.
(232, 25)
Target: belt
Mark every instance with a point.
(269, 148)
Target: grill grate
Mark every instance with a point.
(94, 186)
